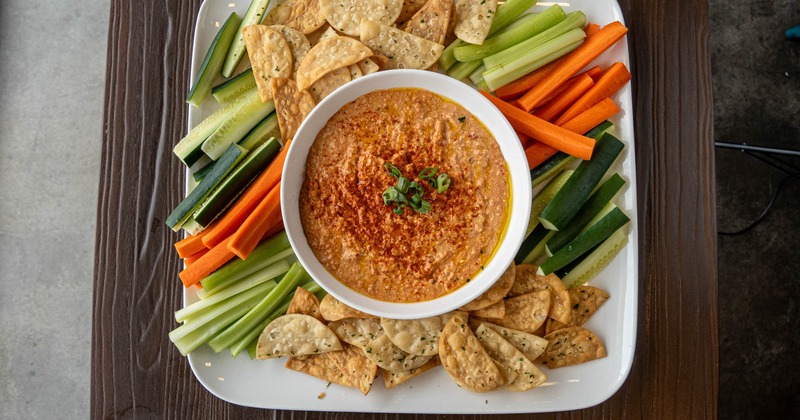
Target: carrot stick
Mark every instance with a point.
(573, 62)
(244, 205)
(274, 230)
(591, 28)
(612, 80)
(257, 224)
(194, 257)
(518, 87)
(548, 133)
(594, 72)
(190, 244)
(574, 89)
(215, 258)
(593, 116)
(537, 153)
(524, 139)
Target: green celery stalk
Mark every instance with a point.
(499, 76)
(572, 20)
(251, 339)
(505, 14)
(263, 309)
(261, 276)
(477, 76)
(462, 70)
(201, 335)
(263, 255)
(522, 29)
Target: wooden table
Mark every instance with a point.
(137, 373)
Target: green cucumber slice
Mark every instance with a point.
(534, 245)
(227, 91)
(550, 167)
(212, 64)
(189, 149)
(184, 210)
(590, 209)
(541, 200)
(268, 128)
(592, 263)
(249, 113)
(235, 182)
(588, 239)
(566, 204)
(253, 16)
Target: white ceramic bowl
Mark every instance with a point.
(475, 103)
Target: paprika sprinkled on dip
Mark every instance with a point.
(406, 195)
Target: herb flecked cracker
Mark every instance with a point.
(390, 357)
(292, 105)
(532, 346)
(303, 15)
(416, 336)
(571, 346)
(393, 379)
(410, 7)
(330, 82)
(526, 312)
(304, 302)
(357, 331)
(295, 335)
(333, 309)
(298, 43)
(270, 56)
(327, 55)
(465, 360)
(431, 21)
(528, 375)
(403, 50)
(495, 293)
(474, 19)
(584, 302)
(494, 311)
(346, 15)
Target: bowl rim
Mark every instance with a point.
(478, 106)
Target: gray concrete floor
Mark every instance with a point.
(52, 73)
(51, 94)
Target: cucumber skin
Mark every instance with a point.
(550, 167)
(229, 90)
(591, 263)
(212, 64)
(543, 199)
(587, 240)
(248, 114)
(187, 205)
(566, 204)
(254, 15)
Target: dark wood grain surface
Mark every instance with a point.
(137, 373)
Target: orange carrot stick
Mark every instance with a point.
(518, 87)
(524, 139)
(612, 80)
(194, 257)
(573, 62)
(244, 205)
(537, 153)
(548, 133)
(594, 72)
(215, 258)
(257, 224)
(591, 28)
(593, 116)
(190, 245)
(575, 89)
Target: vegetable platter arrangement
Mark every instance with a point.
(267, 68)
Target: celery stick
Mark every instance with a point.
(572, 20)
(252, 349)
(477, 75)
(261, 276)
(201, 335)
(263, 255)
(498, 76)
(263, 309)
(251, 339)
(522, 29)
(461, 70)
(505, 14)
(203, 317)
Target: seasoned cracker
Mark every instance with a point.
(357, 331)
(465, 360)
(493, 311)
(298, 43)
(295, 335)
(528, 376)
(292, 105)
(327, 55)
(367, 66)
(474, 19)
(329, 82)
(572, 346)
(346, 15)
(531, 345)
(410, 7)
(431, 21)
(495, 293)
(270, 56)
(303, 15)
(526, 312)
(416, 336)
(304, 302)
(333, 309)
(584, 302)
(403, 50)
(392, 358)
(393, 379)
(354, 365)
(526, 278)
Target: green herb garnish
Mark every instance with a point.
(397, 194)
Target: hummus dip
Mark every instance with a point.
(410, 257)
